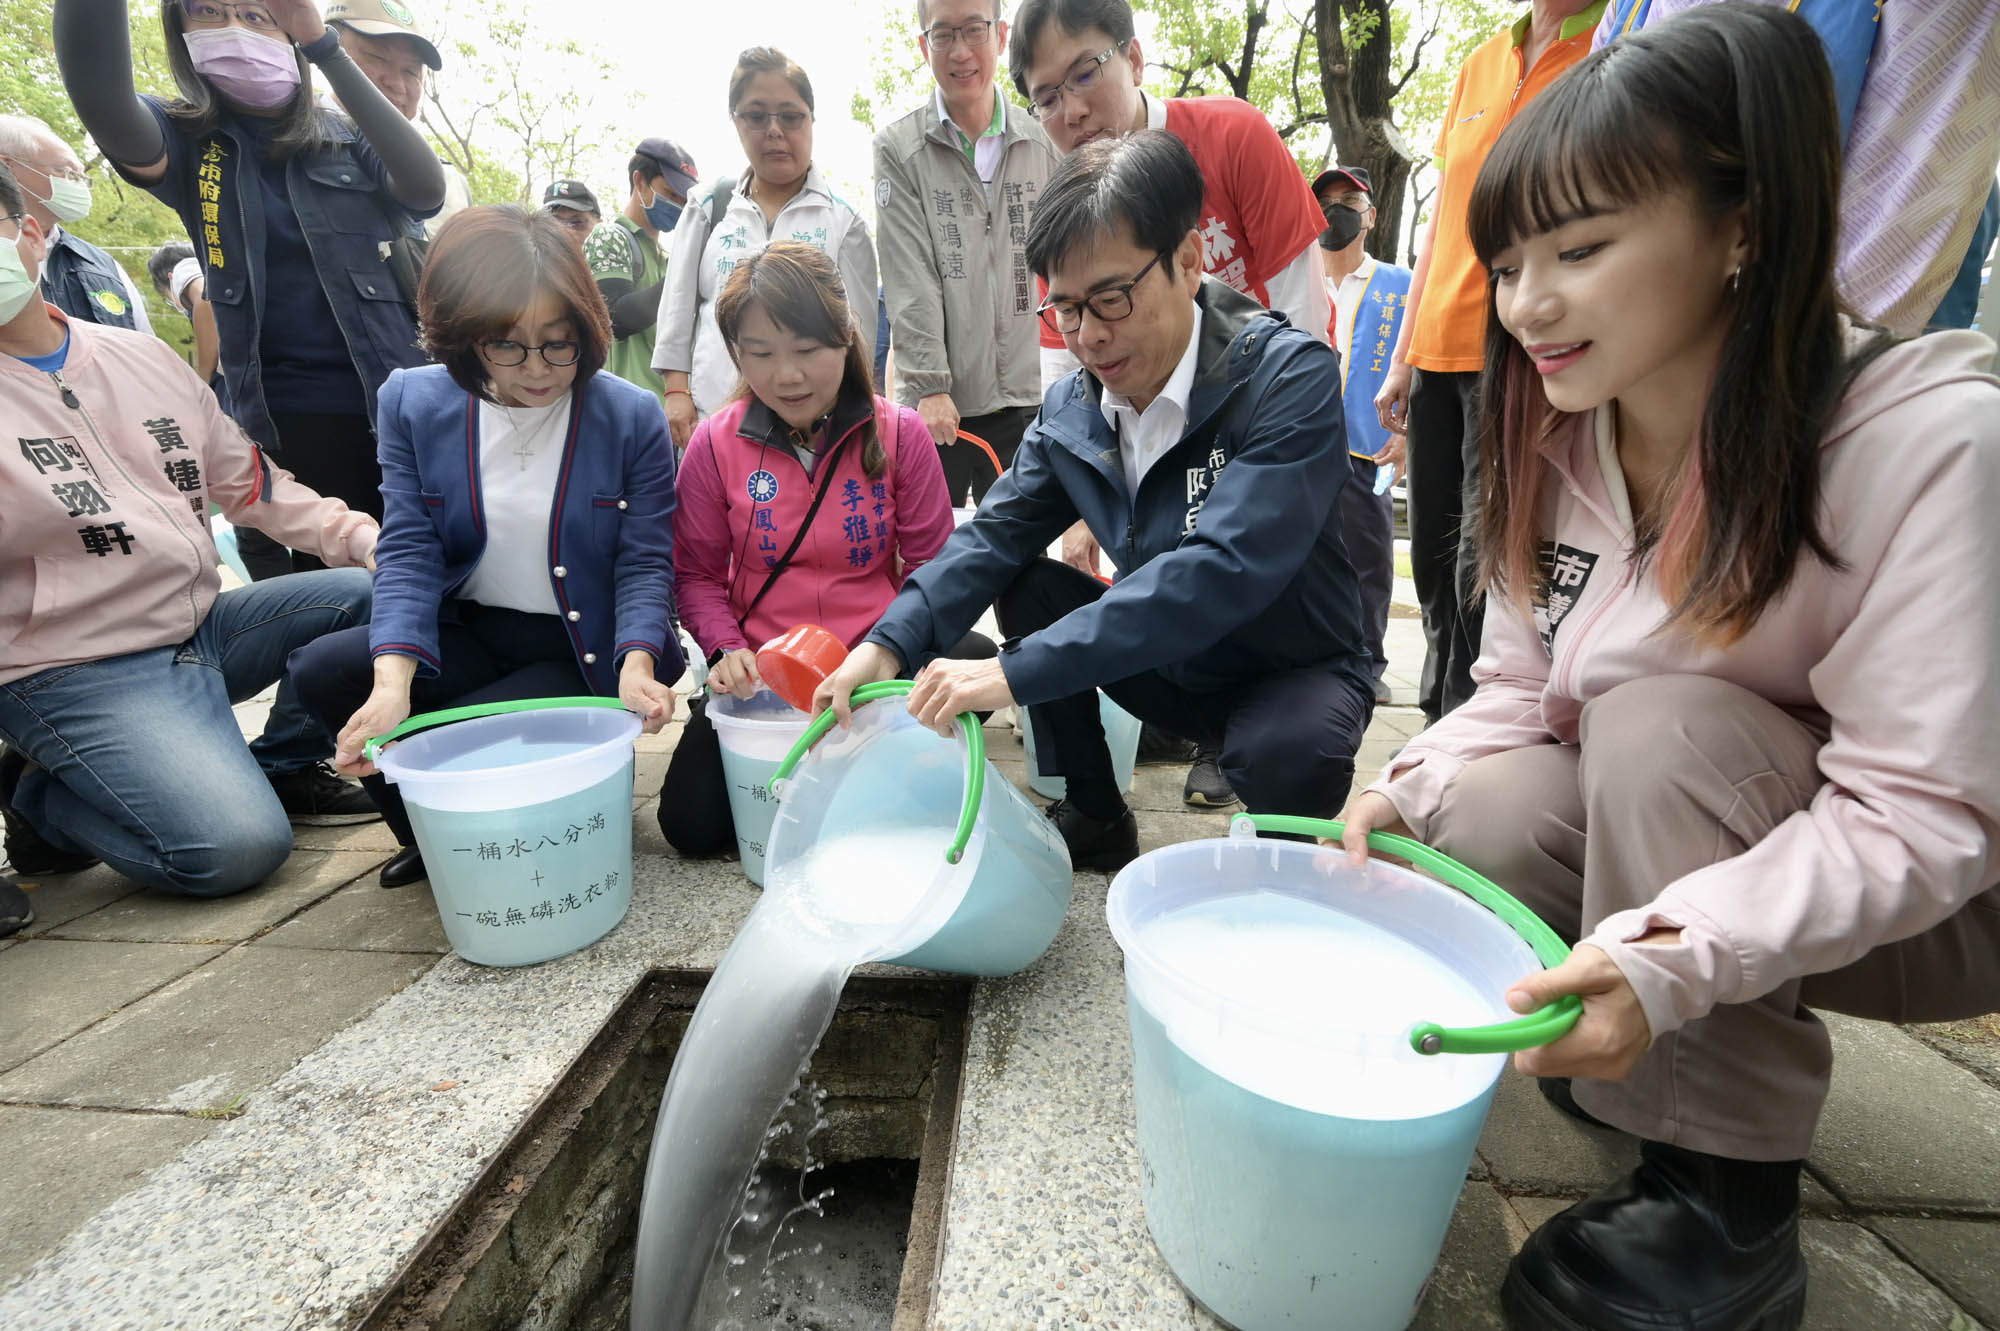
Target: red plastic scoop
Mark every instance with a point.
(796, 662)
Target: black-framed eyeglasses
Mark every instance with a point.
(1082, 77)
(215, 13)
(1109, 304)
(974, 34)
(757, 122)
(507, 354)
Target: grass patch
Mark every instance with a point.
(222, 1113)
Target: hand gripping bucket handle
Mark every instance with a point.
(1427, 1037)
(431, 720)
(975, 757)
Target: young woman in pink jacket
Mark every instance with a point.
(803, 501)
(1728, 538)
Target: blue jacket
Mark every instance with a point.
(344, 207)
(85, 283)
(1231, 557)
(611, 535)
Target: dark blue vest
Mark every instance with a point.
(85, 283)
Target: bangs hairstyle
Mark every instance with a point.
(486, 267)
(1145, 184)
(301, 123)
(1735, 105)
(798, 288)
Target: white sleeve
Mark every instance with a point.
(186, 272)
(1299, 293)
(856, 262)
(1057, 364)
(680, 296)
(139, 315)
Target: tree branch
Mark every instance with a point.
(1417, 54)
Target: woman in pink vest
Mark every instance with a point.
(805, 500)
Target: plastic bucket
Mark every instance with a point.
(1121, 736)
(756, 734)
(1302, 1151)
(954, 868)
(524, 816)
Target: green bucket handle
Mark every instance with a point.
(975, 756)
(1427, 1037)
(429, 720)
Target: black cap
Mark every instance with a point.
(1355, 177)
(570, 194)
(675, 164)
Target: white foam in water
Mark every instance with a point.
(864, 884)
(1308, 974)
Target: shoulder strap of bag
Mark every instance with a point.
(828, 465)
(718, 204)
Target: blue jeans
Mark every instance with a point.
(138, 759)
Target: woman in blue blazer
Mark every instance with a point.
(527, 537)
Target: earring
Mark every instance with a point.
(1736, 280)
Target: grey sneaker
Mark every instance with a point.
(1206, 786)
(316, 797)
(15, 912)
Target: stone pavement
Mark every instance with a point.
(142, 1027)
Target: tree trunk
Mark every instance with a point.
(1357, 84)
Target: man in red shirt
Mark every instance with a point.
(1080, 65)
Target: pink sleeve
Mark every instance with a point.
(923, 509)
(701, 549)
(1504, 712)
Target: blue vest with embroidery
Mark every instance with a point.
(1364, 354)
(85, 283)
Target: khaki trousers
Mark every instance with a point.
(1670, 774)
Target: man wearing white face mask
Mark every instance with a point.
(78, 278)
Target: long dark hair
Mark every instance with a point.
(1734, 103)
(799, 288)
(302, 124)
(485, 268)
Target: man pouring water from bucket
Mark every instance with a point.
(1202, 443)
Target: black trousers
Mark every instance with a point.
(694, 797)
(333, 455)
(1368, 524)
(1444, 504)
(1287, 740)
(965, 465)
(486, 654)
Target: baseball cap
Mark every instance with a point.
(570, 194)
(675, 165)
(1354, 177)
(384, 18)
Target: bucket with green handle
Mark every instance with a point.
(888, 828)
(1314, 1050)
(523, 811)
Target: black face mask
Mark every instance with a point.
(1343, 224)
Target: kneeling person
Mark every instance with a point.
(1202, 445)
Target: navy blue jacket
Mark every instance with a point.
(611, 535)
(73, 276)
(1232, 565)
(341, 196)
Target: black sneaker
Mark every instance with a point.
(15, 912)
(1206, 785)
(316, 797)
(27, 849)
(1159, 748)
(1094, 843)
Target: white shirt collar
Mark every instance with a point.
(1156, 110)
(1180, 384)
(999, 105)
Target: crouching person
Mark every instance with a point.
(1202, 445)
(122, 655)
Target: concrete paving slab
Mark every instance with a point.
(220, 1032)
(1464, 1293)
(74, 1163)
(366, 917)
(162, 917)
(1960, 1256)
(648, 770)
(1973, 1044)
(1869, 1149)
(1530, 1146)
(51, 989)
(373, 836)
(1855, 1283)
(58, 899)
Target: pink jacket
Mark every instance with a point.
(104, 541)
(1893, 657)
(741, 500)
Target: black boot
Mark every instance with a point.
(1687, 1242)
(27, 849)
(406, 868)
(1096, 843)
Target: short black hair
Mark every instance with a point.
(160, 264)
(645, 166)
(11, 199)
(1113, 17)
(1146, 182)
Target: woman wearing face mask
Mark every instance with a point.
(1728, 535)
(527, 549)
(781, 196)
(804, 500)
(291, 210)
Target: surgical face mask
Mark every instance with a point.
(69, 198)
(1343, 224)
(18, 286)
(252, 71)
(660, 213)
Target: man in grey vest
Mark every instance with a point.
(956, 182)
(78, 278)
